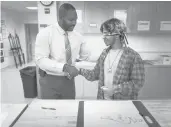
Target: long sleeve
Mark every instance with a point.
(84, 52)
(42, 53)
(92, 75)
(137, 78)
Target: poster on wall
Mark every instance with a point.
(165, 25)
(143, 26)
(3, 29)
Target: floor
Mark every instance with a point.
(11, 85)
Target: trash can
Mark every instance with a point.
(28, 76)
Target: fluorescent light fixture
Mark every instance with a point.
(32, 8)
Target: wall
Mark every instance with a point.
(48, 19)
(15, 21)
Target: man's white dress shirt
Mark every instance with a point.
(50, 49)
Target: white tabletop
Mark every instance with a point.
(10, 113)
(65, 113)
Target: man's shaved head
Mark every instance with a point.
(67, 17)
(65, 8)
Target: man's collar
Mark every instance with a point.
(60, 29)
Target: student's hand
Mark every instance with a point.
(112, 91)
(124, 90)
(71, 71)
(107, 91)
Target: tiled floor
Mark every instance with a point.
(11, 85)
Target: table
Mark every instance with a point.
(11, 113)
(42, 113)
(161, 111)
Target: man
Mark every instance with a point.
(56, 51)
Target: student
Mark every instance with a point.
(119, 69)
(57, 47)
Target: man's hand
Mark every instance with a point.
(71, 70)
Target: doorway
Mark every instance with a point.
(31, 31)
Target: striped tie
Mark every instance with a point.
(68, 50)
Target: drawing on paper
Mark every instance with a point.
(123, 119)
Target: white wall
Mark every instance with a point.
(48, 19)
(15, 21)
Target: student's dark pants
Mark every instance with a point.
(56, 87)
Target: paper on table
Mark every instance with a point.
(112, 113)
(64, 115)
(68, 108)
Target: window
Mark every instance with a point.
(79, 14)
(121, 14)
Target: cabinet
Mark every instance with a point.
(153, 11)
(157, 82)
(142, 11)
(163, 14)
(95, 13)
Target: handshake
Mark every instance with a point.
(71, 71)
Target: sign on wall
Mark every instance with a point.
(165, 25)
(143, 26)
(47, 10)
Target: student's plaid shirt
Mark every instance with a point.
(128, 79)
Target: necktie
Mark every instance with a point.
(68, 50)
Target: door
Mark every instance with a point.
(31, 31)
